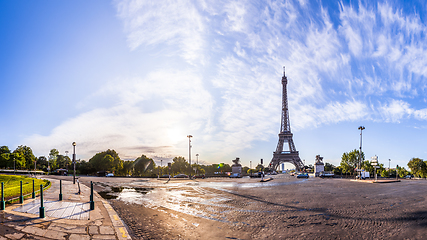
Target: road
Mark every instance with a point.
(286, 207)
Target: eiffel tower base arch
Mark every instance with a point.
(292, 158)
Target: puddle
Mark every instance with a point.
(116, 192)
(193, 198)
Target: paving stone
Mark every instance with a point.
(55, 234)
(34, 230)
(93, 230)
(3, 238)
(67, 228)
(79, 237)
(106, 230)
(14, 235)
(106, 237)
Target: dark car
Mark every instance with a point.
(180, 176)
(165, 176)
(200, 176)
(302, 175)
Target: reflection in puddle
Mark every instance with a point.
(201, 199)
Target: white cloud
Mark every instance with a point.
(236, 14)
(308, 116)
(228, 92)
(395, 111)
(156, 112)
(175, 23)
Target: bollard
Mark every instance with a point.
(41, 209)
(92, 203)
(60, 190)
(2, 204)
(34, 193)
(21, 197)
(91, 191)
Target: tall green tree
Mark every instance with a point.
(418, 167)
(349, 161)
(53, 155)
(107, 161)
(28, 156)
(63, 162)
(42, 163)
(4, 157)
(180, 165)
(144, 166)
(18, 160)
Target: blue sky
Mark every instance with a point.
(139, 76)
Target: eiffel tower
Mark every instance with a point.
(290, 154)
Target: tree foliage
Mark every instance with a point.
(25, 157)
(418, 167)
(106, 161)
(143, 166)
(349, 161)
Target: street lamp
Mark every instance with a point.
(389, 160)
(197, 155)
(74, 162)
(360, 149)
(189, 151)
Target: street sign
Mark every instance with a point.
(374, 164)
(359, 170)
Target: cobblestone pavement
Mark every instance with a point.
(101, 223)
(283, 208)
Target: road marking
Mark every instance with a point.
(122, 231)
(115, 217)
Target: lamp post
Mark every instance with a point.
(389, 160)
(189, 151)
(197, 155)
(74, 162)
(360, 149)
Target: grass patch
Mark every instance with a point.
(12, 187)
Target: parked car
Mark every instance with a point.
(200, 176)
(181, 176)
(165, 176)
(408, 177)
(235, 175)
(302, 175)
(110, 175)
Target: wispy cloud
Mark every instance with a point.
(344, 63)
(159, 110)
(177, 24)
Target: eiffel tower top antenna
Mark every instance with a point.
(285, 124)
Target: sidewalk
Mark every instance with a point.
(70, 218)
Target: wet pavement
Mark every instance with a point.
(283, 208)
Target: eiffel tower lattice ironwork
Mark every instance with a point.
(290, 154)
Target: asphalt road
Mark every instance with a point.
(283, 208)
